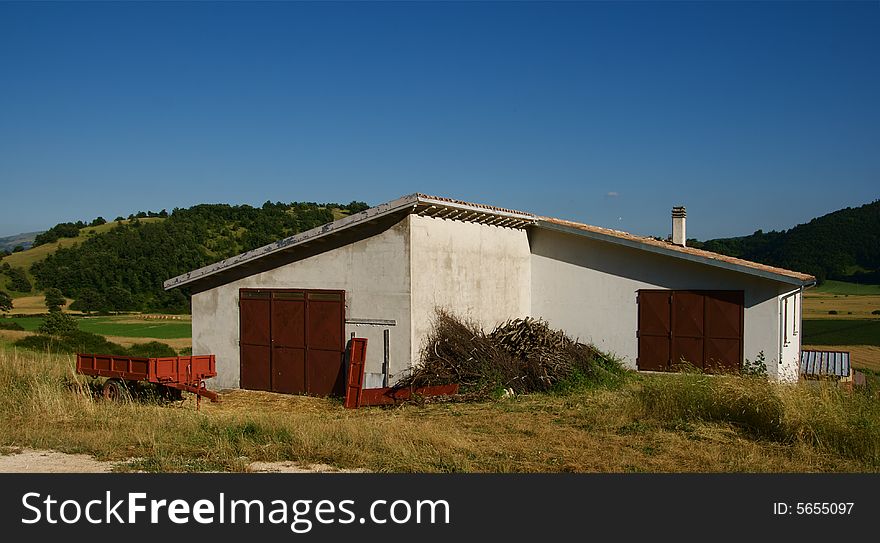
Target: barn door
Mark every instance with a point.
(687, 328)
(289, 342)
(292, 341)
(326, 343)
(724, 330)
(254, 307)
(655, 330)
(703, 328)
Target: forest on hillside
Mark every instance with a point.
(123, 269)
(842, 245)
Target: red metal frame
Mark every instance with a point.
(358, 396)
(357, 361)
(180, 372)
(391, 396)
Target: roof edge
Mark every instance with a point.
(318, 232)
(742, 266)
(411, 201)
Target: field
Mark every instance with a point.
(845, 288)
(838, 316)
(123, 326)
(841, 332)
(650, 423)
(844, 306)
(125, 330)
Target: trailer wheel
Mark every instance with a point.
(115, 390)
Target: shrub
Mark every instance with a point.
(76, 342)
(875, 312)
(153, 349)
(757, 367)
(57, 323)
(832, 312)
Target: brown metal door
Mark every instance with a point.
(255, 340)
(292, 341)
(724, 330)
(655, 330)
(687, 328)
(703, 328)
(325, 372)
(289, 342)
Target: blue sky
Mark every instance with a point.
(753, 115)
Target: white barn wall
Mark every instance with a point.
(374, 273)
(589, 288)
(478, 272)
(790, 334)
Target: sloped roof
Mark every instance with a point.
(677, 250)
(448, 208)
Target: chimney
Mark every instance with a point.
(679, 236)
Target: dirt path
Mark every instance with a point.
(33, 461)
(17, 460)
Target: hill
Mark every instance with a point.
(842, 245)
(120, 266)
(25, 259)
(25, 240)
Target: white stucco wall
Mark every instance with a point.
(589, 288)
(478, 272)
(790, 333)
(374, 273)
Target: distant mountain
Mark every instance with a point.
(842, 245)
(26, 240)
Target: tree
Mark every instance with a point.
(54, 299)
(98, 221)
(5, 302)
(58, 324)
(18, 249)
(119, 299)
(18, 280)
(89, 300)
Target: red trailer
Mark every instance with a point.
(175, 372)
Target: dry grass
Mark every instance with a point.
(818, 304)
(11, 336)
(44, 405)
(33, 305)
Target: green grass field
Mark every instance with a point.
(121, 326)
(842, 287)
(841, 332)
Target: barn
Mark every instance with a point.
(278, 318)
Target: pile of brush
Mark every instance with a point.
(524, 355)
